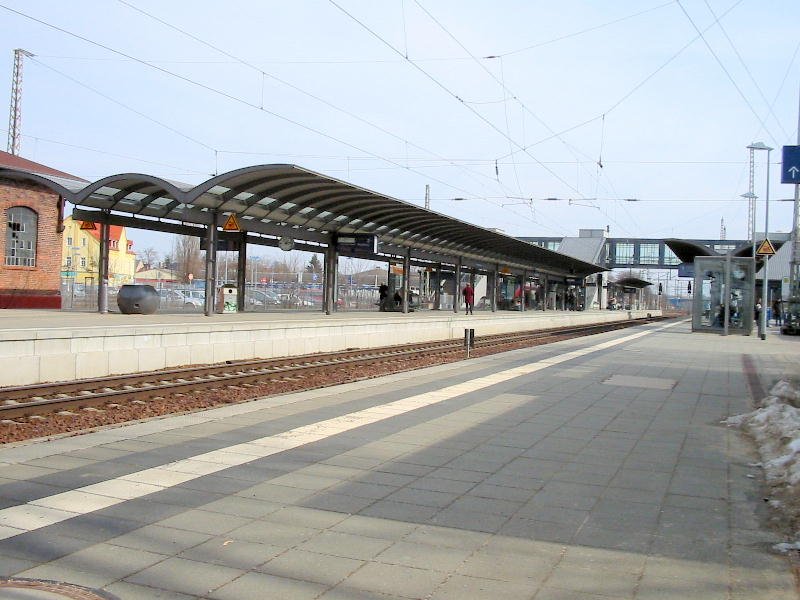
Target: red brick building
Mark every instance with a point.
(30, 238)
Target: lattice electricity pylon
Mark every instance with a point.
(15, 111)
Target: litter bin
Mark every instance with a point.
(138, 299)
(230, 299)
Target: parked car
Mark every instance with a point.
(184, 298)
(261, 298)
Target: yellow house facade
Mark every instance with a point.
(80, 256)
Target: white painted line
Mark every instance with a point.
(60, 507)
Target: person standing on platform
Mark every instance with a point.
(469, 298)
(776, 311)
(383, 293)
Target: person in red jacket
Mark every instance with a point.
(469, 297)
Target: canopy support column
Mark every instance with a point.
(437, 291)
(406, 289)
(492, 292)
(211, 264)
(457, 286)
(241, 273)
(329, 277)
(105, 243)
(545, 292)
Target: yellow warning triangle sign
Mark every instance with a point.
(88, 225)
(766, 249)
(231, 224)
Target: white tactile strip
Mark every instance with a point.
(49, 510)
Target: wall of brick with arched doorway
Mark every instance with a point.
(34, 285)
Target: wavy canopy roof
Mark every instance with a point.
(280, 199)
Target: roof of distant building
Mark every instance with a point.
(17, 162)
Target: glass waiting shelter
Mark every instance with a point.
(723, 300)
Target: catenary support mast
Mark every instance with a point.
(15, 110)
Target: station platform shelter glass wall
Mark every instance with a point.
(723, 300)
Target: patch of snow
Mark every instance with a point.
(775, 426)
(786, 547)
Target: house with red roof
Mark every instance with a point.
(81, 255)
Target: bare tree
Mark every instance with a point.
(149, 257)
(351, 266)
(187, 258)
(288, 266)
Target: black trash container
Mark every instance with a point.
(138, 299)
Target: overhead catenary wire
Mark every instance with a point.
(507, 92)
(586, 30)
(37, 138)
(746, 69)
(225, 94)
(727, 73)
(264, 75)
(444, 88)
(636, 87)
(125, 106)
(249, 104)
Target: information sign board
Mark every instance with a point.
(790, 167)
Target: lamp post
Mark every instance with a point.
(762, 325)
(751, 207)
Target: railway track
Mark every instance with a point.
(303, 372)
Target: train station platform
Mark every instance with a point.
(38, 346)
(588, 469)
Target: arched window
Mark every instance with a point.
(21, 237)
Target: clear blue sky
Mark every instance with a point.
(398, 94)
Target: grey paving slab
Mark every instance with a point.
(13, 566)
(542, 486)
(233, 553)
(159, 539)
(371, 527)
(129, 591)
(311, 567)
(185, 576)
(397, 580)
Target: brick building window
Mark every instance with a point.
(23, 224)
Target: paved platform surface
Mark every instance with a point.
(593, 468)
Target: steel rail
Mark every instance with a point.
(22, 401)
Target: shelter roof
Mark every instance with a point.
(583, 248)
(281, 199)
(632, 282)
(686, 250)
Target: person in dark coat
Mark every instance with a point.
(776, 311)
(383, 293)
(469, 298)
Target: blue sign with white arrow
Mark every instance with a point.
(790, 170)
